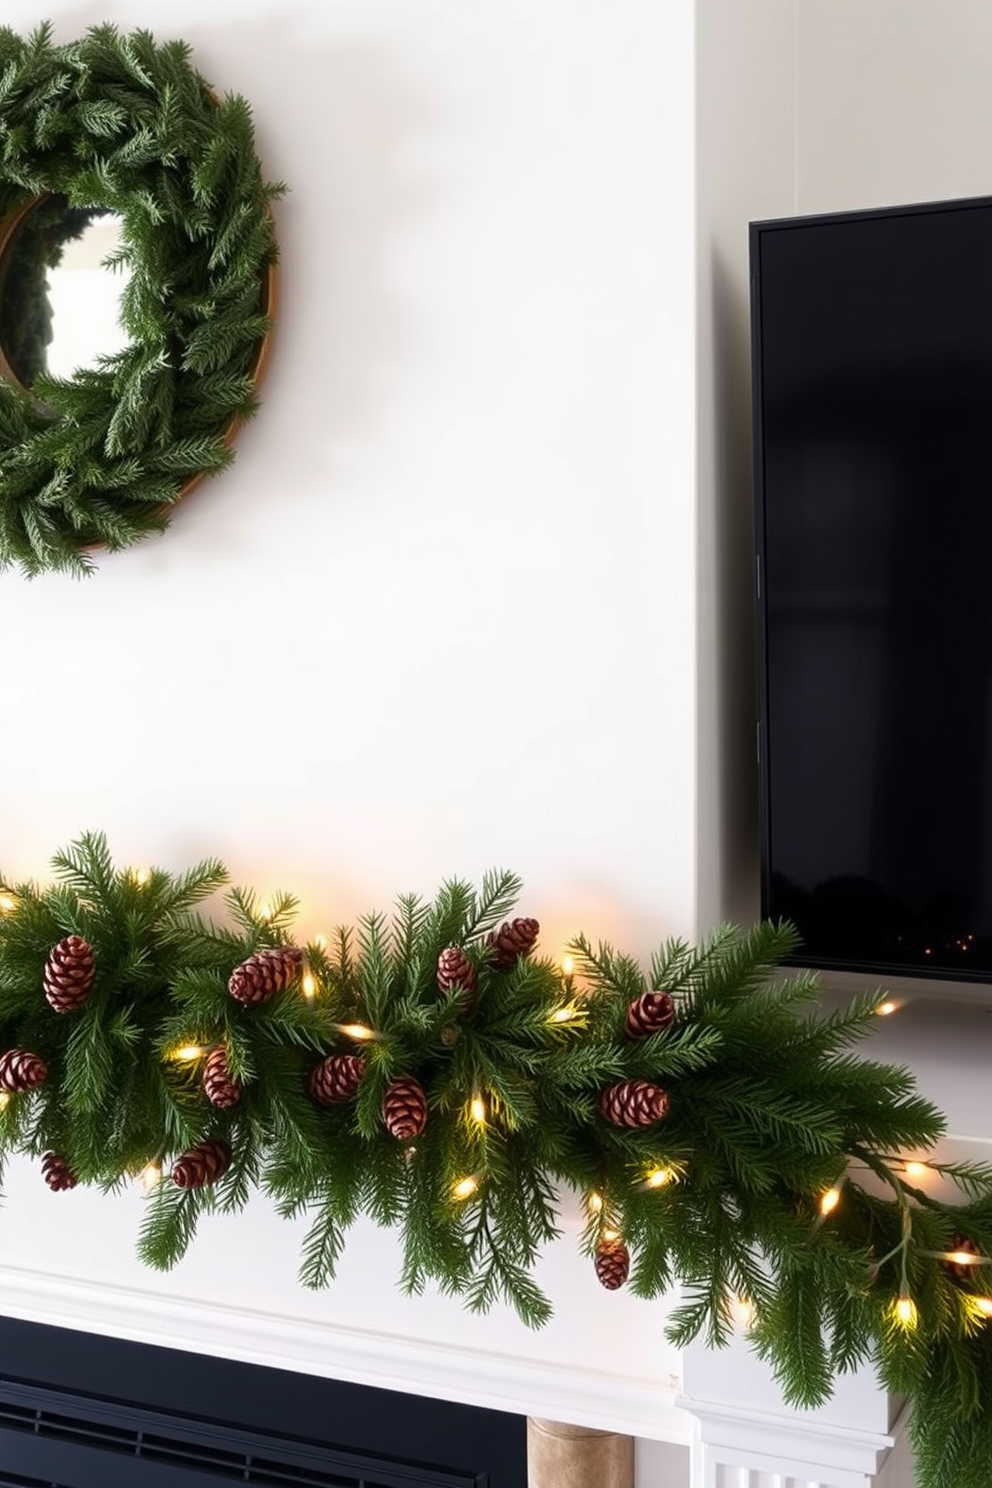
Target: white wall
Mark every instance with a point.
(439, 616)
(893, 102)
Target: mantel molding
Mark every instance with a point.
(586, 1397)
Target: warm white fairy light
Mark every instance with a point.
(477, 1110)
(566, 1014)
(356, 1031)
(142, 876)
(7, 903)
(610, 1235)
(916, 1170)
(465, 1187)
(829, 1201)
(963, 1258)
(659, 1177)
(981, 1305)
(887, 1008)
(567, 965)
(904, 1311)
(594, 1203)
(741, 1309)
(320, 942)
(151, 1176)
(186, 1053)
(265, 912)
(308, 986)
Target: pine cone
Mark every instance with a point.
(514, 938)
(649, 1013)
(21, 1070)
(202, 1164)
(964, 1271)
(69, 974)
(456, 973)
(634, 1103)
(404, 1108)
(265, 974)
(612, 1263)
(222, 1090)
(57, 1172)
(336, 1078)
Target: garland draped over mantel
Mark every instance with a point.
(431, 1071)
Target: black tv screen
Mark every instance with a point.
(872, 358)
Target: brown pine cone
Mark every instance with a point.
(634, 1103)
(404, 1108)
(514, 938)
(963, 1270)
(649, 1013)
(202, 1164)
(21, 1070)
(336, 1078)
(265, 974)
(456, 973)
(57, 1172)
(612, 1263)
(69, 974)
(222, 1089)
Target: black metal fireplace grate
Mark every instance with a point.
(194, 1422)
(58, 1436)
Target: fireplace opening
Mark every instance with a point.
(80, 1411)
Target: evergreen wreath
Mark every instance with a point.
(429, 1071)
(126, 125)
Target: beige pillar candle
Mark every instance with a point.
(561, 1456)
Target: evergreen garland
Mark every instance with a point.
(776, 1173)
(124, 124)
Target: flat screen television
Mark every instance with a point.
(872, 362)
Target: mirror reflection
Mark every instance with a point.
(59, 307)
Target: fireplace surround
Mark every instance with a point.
(82, 1411)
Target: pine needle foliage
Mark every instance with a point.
(770, 1109)
(120, 123)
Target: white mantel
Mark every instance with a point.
(502, 466)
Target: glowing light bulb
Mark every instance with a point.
(7, 903)
(465, 1188)
(741, 1309)
(886, 1009)
(142, 876)
(356, 1031)
(982, 1305)
(151, 1176)
(594, 1203)
(611, 1234)
(188, 1052)
(265, 912)
(477, 1110)
(963, 1258)
(829, 1201)
(905, 1311)
(567, 965)
(320, 941)
(564, 1014)
(916, 1170)
(308, 986)
(659, 1177)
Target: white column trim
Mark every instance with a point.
(746, 1448)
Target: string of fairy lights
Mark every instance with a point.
(741, 1309)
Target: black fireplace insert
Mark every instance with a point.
(81, 1411)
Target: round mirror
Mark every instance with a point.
(59, 301)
